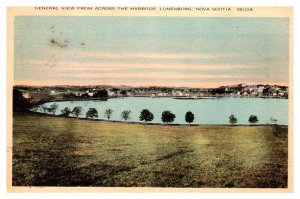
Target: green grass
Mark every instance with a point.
(56, 151)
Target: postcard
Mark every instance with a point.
(150, 99)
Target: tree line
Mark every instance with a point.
(167, 116)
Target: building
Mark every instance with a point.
(26, 95)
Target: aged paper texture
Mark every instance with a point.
(150, 99)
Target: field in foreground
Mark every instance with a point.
(55, 151)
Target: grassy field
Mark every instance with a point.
(55, 151)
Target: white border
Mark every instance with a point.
(5, 3)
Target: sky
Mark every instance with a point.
(195, 52)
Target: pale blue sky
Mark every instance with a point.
(172, 51)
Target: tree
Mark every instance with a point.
(232, 120)
(189, 117)
(91, 113)
(20, 104)
(123, 92)
(273, 120)
(266, 90)
(146, 116)
(66, 111)
(125, 115)
(53, 108)
(101, 93)
(44, 108)
(77, 111)
(108, 113)
(168, 117)
(85, 95)
(36, 108)
(253, 119)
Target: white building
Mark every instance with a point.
(26, 95)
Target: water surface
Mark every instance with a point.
(206, 111)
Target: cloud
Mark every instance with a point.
(100, 66)
(145, 55)
(205, 84)
(153, 75)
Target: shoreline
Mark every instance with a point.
(146, 96)
(143, 123)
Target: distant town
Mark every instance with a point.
(49, 93)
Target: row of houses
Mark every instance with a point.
(262, 90)
(242, 90)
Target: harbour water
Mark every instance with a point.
(206, 111)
